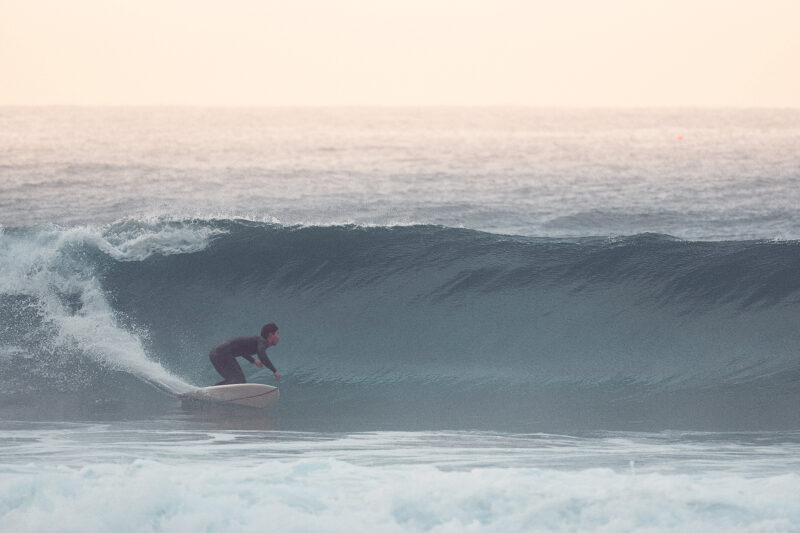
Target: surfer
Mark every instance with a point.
(223, 356)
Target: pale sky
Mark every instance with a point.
(577, 53)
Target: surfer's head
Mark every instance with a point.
(270, 332)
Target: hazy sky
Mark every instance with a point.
(401, 52)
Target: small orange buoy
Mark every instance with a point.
(680, 137)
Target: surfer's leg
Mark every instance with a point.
(214, 356)
(228, 368)
(235, 374)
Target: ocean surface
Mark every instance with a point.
(491, 319)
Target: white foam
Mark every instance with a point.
(40, 266)
(134, 477)
(331, 495)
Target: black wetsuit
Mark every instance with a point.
(223, 357)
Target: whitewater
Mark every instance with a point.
(491, 319)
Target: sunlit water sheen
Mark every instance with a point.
(699, 174)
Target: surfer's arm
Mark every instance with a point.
(274, 372)
(262, 356)
(249, 358)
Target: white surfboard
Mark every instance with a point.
(249, 394)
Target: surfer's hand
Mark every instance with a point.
(277, 376)
(259, 364)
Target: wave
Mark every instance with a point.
(423, 325)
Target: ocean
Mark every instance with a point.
(492, 319)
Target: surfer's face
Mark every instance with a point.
(272, 338)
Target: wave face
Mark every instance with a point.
(412, 327)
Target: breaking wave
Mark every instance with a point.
(413, 326)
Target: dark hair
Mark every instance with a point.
(268, 328)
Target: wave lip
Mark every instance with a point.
(134, 241)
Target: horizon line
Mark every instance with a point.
(587, 107)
